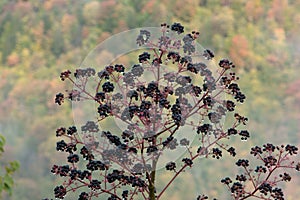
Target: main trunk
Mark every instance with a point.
(152, 181)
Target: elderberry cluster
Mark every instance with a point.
(90, 126)
(64, 75)
(266, 189)
(171, 166)
(59, 98)
(143, 37)
(177, 27)
(88, 72)
(188, 46)
(263, 177)
(140, 110)
(235, 90)
(86, 176)
(208, 54)
(226, 64)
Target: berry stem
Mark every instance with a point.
(256, 189)
(174, 177)
(185, 165)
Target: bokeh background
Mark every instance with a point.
(41, 38)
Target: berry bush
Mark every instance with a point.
(169, 109)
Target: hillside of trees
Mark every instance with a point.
(39, 39)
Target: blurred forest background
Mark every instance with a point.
(41, 38)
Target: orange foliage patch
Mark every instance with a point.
(13, 59)
(239, 50)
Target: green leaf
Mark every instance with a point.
(8, 183)
(13, 166)
(2, 143)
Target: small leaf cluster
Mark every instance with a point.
(6, 179)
